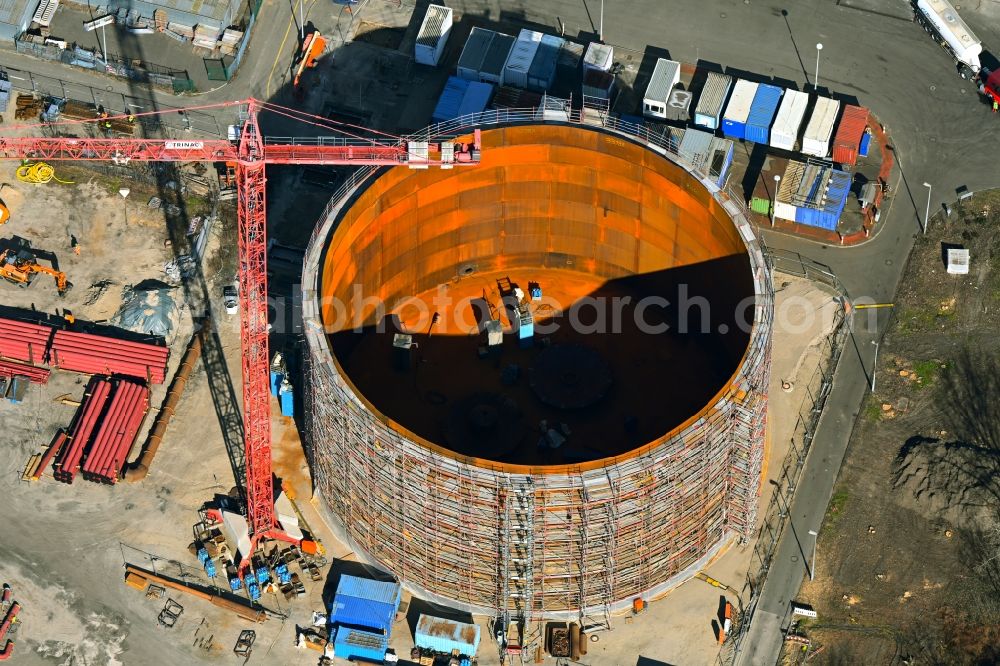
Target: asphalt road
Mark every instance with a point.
(942, 133)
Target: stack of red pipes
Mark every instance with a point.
(115, 437)
(103, 431)
(24, 341)
(35, 375)
(93, 354)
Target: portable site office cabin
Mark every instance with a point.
(788, 122)
(666, 75)
(598, 56)
(542, 72)
(735, 119)
(816, 140)
(491, 71)
(473, 53)
(433, 35)
(765, 104)
(712, 99)
(707, 153)
(515, 72)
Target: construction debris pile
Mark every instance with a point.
(90, 353)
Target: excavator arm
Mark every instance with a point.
(62, 284)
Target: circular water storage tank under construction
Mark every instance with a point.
(608, 443)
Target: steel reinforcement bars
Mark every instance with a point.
(561, 545)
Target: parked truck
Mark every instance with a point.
(940, 19)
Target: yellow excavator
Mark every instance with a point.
(20, 266)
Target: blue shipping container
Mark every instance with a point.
(362, 602)
(276, 379)
(826, 215)
(765, 105)
(445, 636)
(356, 644)
(542, 72)
(477, 97)
(451, 100)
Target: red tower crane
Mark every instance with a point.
(251, 153)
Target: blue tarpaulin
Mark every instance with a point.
(477, 97)
(451, 100)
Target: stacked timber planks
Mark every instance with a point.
(114, 439)
(34, 374)
(103, 431)
(24, 341)
(97, 354)
(87, 419)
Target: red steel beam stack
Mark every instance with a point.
(97, 354)
(86, 421)
(24, 341)
(35, 375)
(117, 432)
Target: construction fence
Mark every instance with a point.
(814, 395)
(166, 78)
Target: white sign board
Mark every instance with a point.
(805, 611)
(100, 22)
(184, 145)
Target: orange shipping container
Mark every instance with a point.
(848, 138)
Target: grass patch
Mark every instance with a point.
(835, 509)
(926, 371)
(873, 410)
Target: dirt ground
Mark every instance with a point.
(907, 555)
(62, 547)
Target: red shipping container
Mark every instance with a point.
(853, 122)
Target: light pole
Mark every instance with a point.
(927, 210)
(124, 191)
(302, 23)
(600, 27)
(874, 364)
(812, 563)
(819, 47)
(777, 180)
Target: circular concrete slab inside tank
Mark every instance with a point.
(634, 258)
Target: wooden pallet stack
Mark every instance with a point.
(28, 107)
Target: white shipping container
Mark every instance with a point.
(666, 75)
(788, 121)
(515, 72)
(784, 211)
(433, 35)
(598, 56)
(816, 140)
(738, 109)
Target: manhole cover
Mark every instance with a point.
(933, 88)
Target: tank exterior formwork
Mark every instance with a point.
(548, 541)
